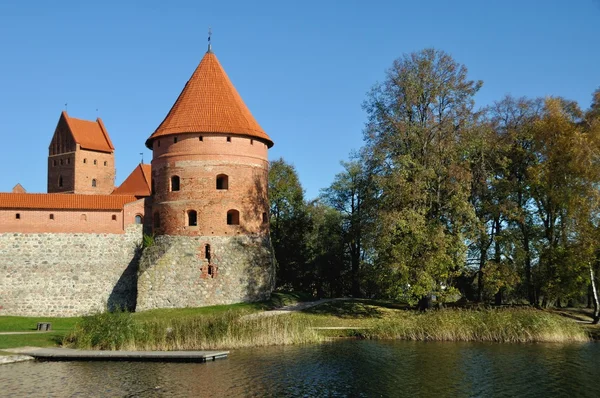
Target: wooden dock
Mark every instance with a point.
(68, 354)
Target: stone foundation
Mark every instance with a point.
(179, 271)
(62, 274)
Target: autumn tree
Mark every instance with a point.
(414, 137)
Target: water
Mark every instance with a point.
(341, 369)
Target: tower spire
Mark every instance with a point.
(209, 44)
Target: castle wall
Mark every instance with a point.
(67, 274)
(70, 221)
(174, 272)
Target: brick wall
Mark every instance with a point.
(197, 162)
(71, 221)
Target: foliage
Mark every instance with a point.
(418, 119)
(148, 240)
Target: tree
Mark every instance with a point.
(349, 194)
(290, 225)
(417, 121)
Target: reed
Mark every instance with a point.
(232, 329)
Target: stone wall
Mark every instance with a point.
(179, 271)
(68, 274)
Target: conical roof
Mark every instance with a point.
(209, 103)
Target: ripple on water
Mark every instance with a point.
(341, 369)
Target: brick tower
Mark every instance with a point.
(81, 158)
(210, 203)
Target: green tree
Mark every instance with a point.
(290, 225)
(349, 194)
(418, 118)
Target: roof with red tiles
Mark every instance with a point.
(88, 134)
(209, 103)
(138, 183)
(61, 201)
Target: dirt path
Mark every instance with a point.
(288, 309)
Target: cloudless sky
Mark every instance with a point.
(302, 67)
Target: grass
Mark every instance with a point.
(228, 327)
(364, 319)
(63, 326)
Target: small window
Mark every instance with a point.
(83, 217)
(210, 270)
(156, 220)
(265, 219)
(207, 252)
(54, 162)
(228, 139)
(158, 143)
(18, 216)
(68, 160)
(84, 160)
(114, 217)
(233, 217)
(61, 162)
(51, 216)
(222, 181)
(200, 138)
(251, 141)
(174, 140)
(175, 183)
(192, 218)
(94, 182)
(138, 219)
(105, 163)
(153, 188)
(95, 162)
(60, 181)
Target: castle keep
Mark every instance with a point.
(204, 199)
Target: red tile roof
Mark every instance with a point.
(138, 183)
(88, 134)
(61, 201)
(209, 103)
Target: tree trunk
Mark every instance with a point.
(498, 297)
(595, 295)
(424, 303)
(482, 259)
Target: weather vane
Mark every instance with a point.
(142, 153)
(209, 35)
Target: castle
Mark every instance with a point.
(202, 203)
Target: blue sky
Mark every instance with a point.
(302, 67)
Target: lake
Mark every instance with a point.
(347, 368)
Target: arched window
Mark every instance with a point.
(54, 162)
(51, 216)
(156, 220)
(222, 181)
(153, 188)
(192, 218)
(60, 181)
(175, 183)
(94, 182)
(105, 163)
(95, 162)
(138, 219)
(84, 160)
(233, 217)
(174, 140)
(61, 162)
